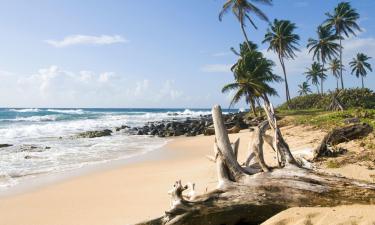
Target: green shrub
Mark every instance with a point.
(349, 98)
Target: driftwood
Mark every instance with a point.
(340, 135)
(247, 195)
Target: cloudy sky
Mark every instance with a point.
(145, 53)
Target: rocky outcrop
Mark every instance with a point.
(94, 134)
(195, 126)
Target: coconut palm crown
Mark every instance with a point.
(335, 67)
(324, 48)
(242, 9)
(252, 75)
(315, 73)
(344, 20)
(283, 41)
(304, 89)
(360, 65)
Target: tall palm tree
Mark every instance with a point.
(314, 74)
(252, 75)
(324, 48)
(242, 10)
(304, 88)
(360, 65)
(335, 67)
(283, 41)
(344, 20)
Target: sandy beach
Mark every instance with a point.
(136, 191)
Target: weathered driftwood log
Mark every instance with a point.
(248, 196)
(340, 135)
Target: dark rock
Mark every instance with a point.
(94, 134)
(351, 120)
(5, 145)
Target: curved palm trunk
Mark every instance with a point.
(245, 35)
(253, 109)
(286, 81)
(342, 80)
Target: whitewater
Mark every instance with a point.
(44, 139)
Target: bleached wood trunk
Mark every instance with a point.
(247, 196)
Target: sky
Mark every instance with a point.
(148, 53)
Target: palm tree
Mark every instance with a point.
(324, 48)
(242, 10)
(283, 41)
(252, 74)
(360, 66)
(335, 67)
(304, 88)
(344, 21)
(314, 74)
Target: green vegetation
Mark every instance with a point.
(349, 98)
(252, 75)
(360, 66)
(283, 41)
(326, 119)
(344, 21)
(324, 48)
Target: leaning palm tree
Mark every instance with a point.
(324, 48)
(283, 41)
(360, 65)
(344, 21)
(242, 10)
(252, 75)
(335, 67)
(304, 88)
(314, 74)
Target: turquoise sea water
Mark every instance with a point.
(43, 142)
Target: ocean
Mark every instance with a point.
(43, 139)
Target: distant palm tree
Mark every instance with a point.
(344, 21)
(252, 75)
(324, 48)
(283, 41)
(242, 10)
(359, 66)
(335, 67)
(304, 88)
(314, 74)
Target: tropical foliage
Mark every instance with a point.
(336, 67)
(349, 98)
(324, 48)
(304, 89)
(242, 9)
(283, 41)
(344, 21)
(360, 65)
(315, 73)
(253, 74)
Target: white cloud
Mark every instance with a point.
(169, 91)
(87, 40)
(216, 68)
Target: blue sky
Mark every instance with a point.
(146, 53)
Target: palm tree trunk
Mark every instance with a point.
(321, 79)
(245, 35)
(317, 88)
(363, 86)
(342, 80)
(252, 103)
(286, 81)
(337, 83)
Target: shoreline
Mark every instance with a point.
(118, 193)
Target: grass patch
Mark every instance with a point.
(326, 120)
